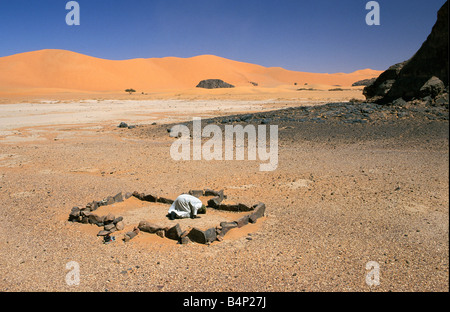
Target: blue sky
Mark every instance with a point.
(303, 35)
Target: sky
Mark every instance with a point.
(322, 36)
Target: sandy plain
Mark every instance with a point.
(344, 194)
(355, 183)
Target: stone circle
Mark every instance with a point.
(111, 223)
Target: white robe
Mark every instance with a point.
(185, 205)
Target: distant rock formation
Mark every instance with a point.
(364, 82)
(424, 77)
(214, 84)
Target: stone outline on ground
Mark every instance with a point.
(111, 224)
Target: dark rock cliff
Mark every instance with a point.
(424, 76)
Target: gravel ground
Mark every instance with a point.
(355, 183)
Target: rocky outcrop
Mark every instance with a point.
(383, 84)
(214, 84)
(424, 76)
(364, 82)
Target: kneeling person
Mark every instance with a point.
(186, 206)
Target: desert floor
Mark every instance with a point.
(351, 187)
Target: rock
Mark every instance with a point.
(109, 227)
(225, 227)
(150, 198)
(381, 86)
(244, 207)
(117, 220)
(225, 224)
(130, 235)
(128, 195)
(118, 198)
(221, 195)
(227, 207)
(209, 192)
(109, 218)
(431, 60)
(185, 240)
(95, 219)
(184, 234)
(252, 218)
(442, 100)
(148, 227)
(120, 226)
(160, 233)
(92, 206)
(84, 215)
(173, 232)
(258, 212)
(213, 84)
(202, 237)
(214, 202)
(242, 221)
(433, 87)
(245, 117)
(85, 212)
(165, 200)
(123, 125)
(210, 235)
(196, 193)
(364, 82)
(399, 102)
(103, 233)
(109, 200)
(234, 207)
(138, 195)
(75, 214)
(197, 236)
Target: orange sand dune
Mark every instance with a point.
(65, 70)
